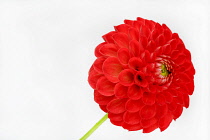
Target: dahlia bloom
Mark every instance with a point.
(143, 75)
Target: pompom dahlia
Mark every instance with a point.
(143, 75)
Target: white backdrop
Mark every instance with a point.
(46, 49)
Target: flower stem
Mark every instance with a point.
(103, 119)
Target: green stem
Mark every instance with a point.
(103, 119)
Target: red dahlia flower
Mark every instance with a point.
(143, 75)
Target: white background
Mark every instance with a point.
(46, 49)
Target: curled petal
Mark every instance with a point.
(117, 123)
(173, 105)
(132, 127)
(161, 110)
(129, 22)
(133, 33)
(103, 107)
(101, 99)
(160, 99)
(140, 79)
(121, 39)
(111, 68)
(144, 31)
(148, 112)
(123, 55)
(97, 49)
(148, 98)
(131, 118)
(98, 64)
(116, 106)
(126, 77)
(109, 49)
(143, 40)
(150, 128)
(165, 121)
(148, 122)
(115, 117)
(135, 92)
(135, 63)
(93, 78)
(122, 28)
(168, 97)
(186, 100)
(180, 59)
(160, 40)
(105, 87)
(151, 46)
(177, 113)
(134, 105)
(135, 47)
(108, 37)
(120, 91)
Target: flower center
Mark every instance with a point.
(164, 70)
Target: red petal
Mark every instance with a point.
(101, 99)
(134, 105)
(135, 92)
(167, 35)
(177, 113)
(105, 87)
(180, 59)
(97, 50)
(150, 24)
(109, 49)
(134, 34)
(132, 127)
(140, 79)
(160, 99)
(148, 112)
(115, 117)
(173, 105)
(151, 128)
(166, 49)
(137, 25)
(129, 22)
(186, 100)
(123, 55)
(135, 63)
(144, 31)
(165, 121)
(148, 98)
(98, 64)
(151, 46)
(161, 110)
(148, 122)
(108, 37)
(190, 87)
(140, 19)
(120, 91)
(135, 47)
(126, 77)
(143, 41)
(122, 28)
(174, 54)
(112, 68)
(117, 123)
(103, 107)
(131, 118)
(93, 78)
(116, 106)
(168, 97)
(121, 39)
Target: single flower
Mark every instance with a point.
(143, 75)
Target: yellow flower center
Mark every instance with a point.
(164, 71)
